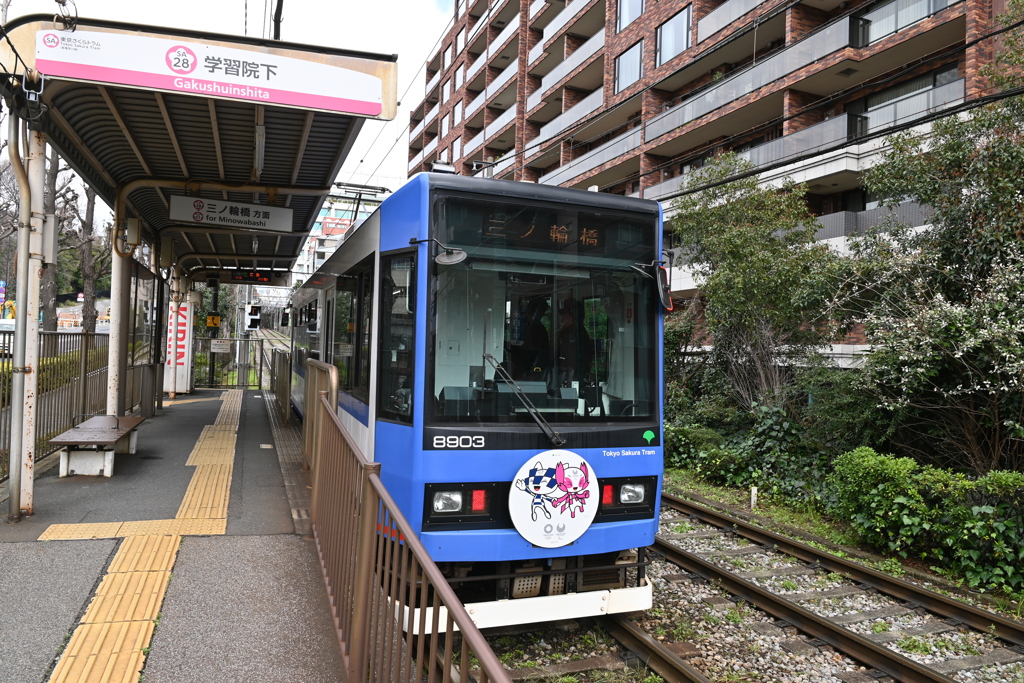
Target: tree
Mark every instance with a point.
(57, 198)
(763, 279)
(943, 311)
(94, 256)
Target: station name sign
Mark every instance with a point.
(215, 69)
(225, 214)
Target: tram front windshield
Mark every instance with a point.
(548, 292)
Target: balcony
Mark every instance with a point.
(432, 83)
(722, 16)
(914, 106)
(808, 140)
(506, 117)
(537, 6)
(415, 161)
(665, 188)
(474, 144)
(896, 16)
(846, 223)
(572, 62)
(429, 117)
(506, 33)
(475, 105)
(610, 150)
(505, 163)
(809, 50)
(571, 11)
(475, 67)
(417, 130)
(536, 52)
(503, 78)
(431, 146)
(587, 105)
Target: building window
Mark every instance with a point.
(460, 41)
(446, 91)
(444, 58)
(628, 11)
(444, 126)
(628, 67)
(456, 149)
(458, 112)
(459, 73)
(674, 36)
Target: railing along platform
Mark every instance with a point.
(382, 593)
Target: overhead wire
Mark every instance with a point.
(569, 132)
(412, 82)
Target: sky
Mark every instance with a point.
(408, 28)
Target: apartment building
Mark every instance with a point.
(630, 95)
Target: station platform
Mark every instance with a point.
(189, 564)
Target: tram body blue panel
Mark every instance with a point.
(400, 468)
(405, 214)
(470, 545)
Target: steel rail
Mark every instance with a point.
(855, 645)
(653, 654)
(970, 615)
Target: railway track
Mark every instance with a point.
(837, 631)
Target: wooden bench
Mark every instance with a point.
(90, 447)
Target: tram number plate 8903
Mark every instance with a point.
(458, 442)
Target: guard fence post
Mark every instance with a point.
(364, 588)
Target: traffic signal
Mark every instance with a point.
(252, 317)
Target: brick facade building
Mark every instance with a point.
(629, 95)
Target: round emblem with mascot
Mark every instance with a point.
(554, 498)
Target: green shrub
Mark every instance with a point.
(879, 495)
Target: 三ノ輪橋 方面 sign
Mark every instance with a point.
(227, 214)
(272, 76)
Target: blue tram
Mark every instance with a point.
(498, 347)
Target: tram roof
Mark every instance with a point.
(124, 118)
(539, 192)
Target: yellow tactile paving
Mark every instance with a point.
(106, 652)
(128, 596)
(110, 643)
(216, 446)
(181, 527)
(208, 493)
(191, 400)
(231, 407)
(145, 554)
(75, 532)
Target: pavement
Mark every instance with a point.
(243, 606)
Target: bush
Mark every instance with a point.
(973, 527)
(879, 495)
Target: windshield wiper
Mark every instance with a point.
(556, 439)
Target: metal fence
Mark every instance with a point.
(229, 363)
(280, 364)
(72, 382)
(396, 616)
(320, 378)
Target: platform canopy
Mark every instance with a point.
(196, 129)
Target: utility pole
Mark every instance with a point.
(213, 330)
(277, 19)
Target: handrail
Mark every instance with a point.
(380, 576)
(319, 377)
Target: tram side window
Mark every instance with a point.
(353, 308)
(397, 338)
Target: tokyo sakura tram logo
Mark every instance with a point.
(554, 498)
(51, 40)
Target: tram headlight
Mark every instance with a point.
(632, 494)
(448, 501)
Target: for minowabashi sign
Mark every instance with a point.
(208, 69)
(227, 214)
